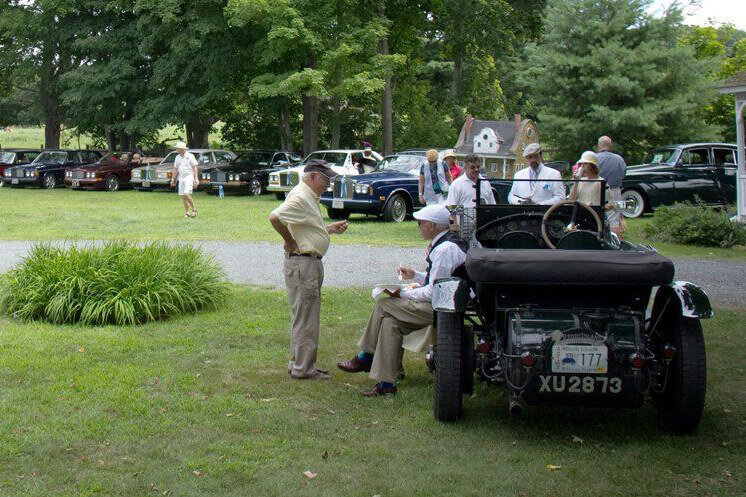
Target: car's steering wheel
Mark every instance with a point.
(575, 204)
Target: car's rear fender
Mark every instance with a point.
(690, 300)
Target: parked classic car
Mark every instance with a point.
(48, 168)
(560, 317)
(341, 161)
(694, 172)
(111, 173)
(391, 191)
(158, 176)
(248, 173)
(10, 157)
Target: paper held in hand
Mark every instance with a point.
(379, 291)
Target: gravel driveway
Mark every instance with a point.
(365, 266)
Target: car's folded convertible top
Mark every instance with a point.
(571, 267)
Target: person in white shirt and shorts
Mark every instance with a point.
(185, 170)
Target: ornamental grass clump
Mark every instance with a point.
(115, 283)
(695, 224)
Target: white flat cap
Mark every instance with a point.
(531, 148)
(437, 214)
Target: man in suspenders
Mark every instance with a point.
(408, 309)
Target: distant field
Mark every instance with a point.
(33, 137)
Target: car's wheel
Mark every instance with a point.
(112, 183)
(49, 181)
(449, 367)
(338, 214)
(280, 195)
(255, 187)
(634, 202)
(467, 360)
(681, 404)
(395, 209)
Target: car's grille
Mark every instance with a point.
(17, 172)
(219, 176)
(288, 179)
(343, 188)
(78, 174)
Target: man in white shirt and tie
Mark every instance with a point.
(542, 186)
(463, 190)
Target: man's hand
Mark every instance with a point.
(422, 199)
(396, 293)
(291, 247)
(173, 184)
(406, 272)
(337, 228)
(196, 182)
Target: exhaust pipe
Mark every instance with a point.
(515, 407)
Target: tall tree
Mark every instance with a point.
(608, 67)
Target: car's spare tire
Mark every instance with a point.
(449, 366)
(681, 404)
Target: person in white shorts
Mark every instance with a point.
(185, 170)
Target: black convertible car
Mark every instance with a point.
(49, 167)
(248, 173)
(560, 316)
(693, 172)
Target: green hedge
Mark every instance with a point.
(115, 283)
(696, 224)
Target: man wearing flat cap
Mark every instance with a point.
(298, 220)
(540, 187)
(408, 309)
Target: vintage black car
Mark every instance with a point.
(561, 317)
(391, 191)
(10, 157)
(48, 168)
(248, 173)
(694, 172)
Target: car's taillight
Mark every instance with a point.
(669, 352)
(483, 347)
(528, 359)
(636, 361)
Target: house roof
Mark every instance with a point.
(737, 81)
(505, 131)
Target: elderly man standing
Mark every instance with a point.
(612, 168)
(409, 309)
(298, 220)
(541, 186)
(185, 169)
(463, 190)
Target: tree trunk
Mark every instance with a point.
(336, 120)
(286, 134)
(198, 131)
(387, 97)
(111, 140)
(310, 116)
(458, 69)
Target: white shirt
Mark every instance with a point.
(539, 191)
(184, 165)
(463, 192)
(445, 258)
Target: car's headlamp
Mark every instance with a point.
(136, 174)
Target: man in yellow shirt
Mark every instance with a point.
(298, 220)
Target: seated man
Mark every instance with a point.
(463, 190)
(367, 163)
(408, 309)
(537, 190)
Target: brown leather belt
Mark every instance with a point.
(312, 256)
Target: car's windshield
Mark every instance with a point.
(170, 158)
(257, 157)
(663, 155)
(331, 158)
(117, 156)
(53, 157)
(7, 157)
(400, 164)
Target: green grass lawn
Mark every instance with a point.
(202, 405)
(33, 214)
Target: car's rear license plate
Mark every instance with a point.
(146, 184)
(573, 358)
(14, 181)
(551, 383)
(76, 183)
(338, 204)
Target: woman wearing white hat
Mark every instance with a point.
(185, 169)
(434, 180)
(588, 192)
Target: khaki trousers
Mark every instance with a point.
(392, 318)
(303, 279)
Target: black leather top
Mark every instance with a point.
(573, 267)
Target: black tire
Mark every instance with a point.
(49, 181)
(449, 367)
(255, 187)
(338, 214)
(112, 183)
(636, 201)
(680, 406)
(395, 209)
(280, 195)
(467, 359)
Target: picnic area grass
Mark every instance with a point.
(62, 214)
(203, 405)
